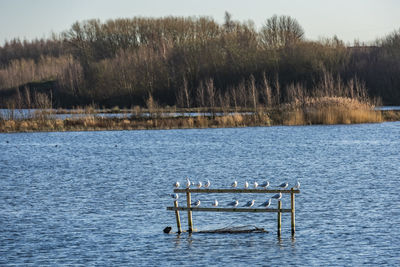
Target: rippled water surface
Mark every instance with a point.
(99, 198)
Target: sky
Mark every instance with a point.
(362, 20)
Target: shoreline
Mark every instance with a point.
(297, 117)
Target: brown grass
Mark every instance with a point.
(330, 110)
(323, 110)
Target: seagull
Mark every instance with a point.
(249, 204)
(283, 185)
(196, 204)
(265, 184)
(255, 184)
(234, 184)
(188, 183)
(199, 184)
(175, 196)
(297, 186)
(266, 203)
(277, 196)
(176, 184)
(246, 184)
(207, 184)
(234, 203)
(215, 203)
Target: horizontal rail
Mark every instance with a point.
(232, 190)
(228, 209)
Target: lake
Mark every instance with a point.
(100, 198)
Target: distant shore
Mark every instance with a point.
(90, 120)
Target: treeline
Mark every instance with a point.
(194, 62)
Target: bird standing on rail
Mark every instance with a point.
(215, 204)
(207, 184)
(234, 184)
(176, 184)
(234, 203)
(297, 186)
(266, 204)
(188, 183)
(265, 184)
(249, 204)
(277, 196)
(197, 203)
(175, 196)
(246, 185)
(199, 184)
(255, 184)
(283, 185)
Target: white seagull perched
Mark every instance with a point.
(196, 204)
(188, 183)
(283, 185)
(215, 204)
(265, 184)
(246, 184)
(207, 184)
(175, 196)
(249, 204)
(234, 203)
(297, 186)
(266, 204)
(176, 184)
(255, 184)
(277, 196)
(234, 184)
(199, 184)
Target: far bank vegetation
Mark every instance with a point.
(195, 64)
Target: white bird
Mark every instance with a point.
(249, 204)
(265, 184)
(246, 184)
(175, 196)
(234, 184)
(176, 184)
(297, 186)
(215, 203)
(199, 184)
(207, 184)
(196, 204)
(266, 204)
(277, 196)
(188, 183)
(255, 184)
(234, 203)
(283, 185)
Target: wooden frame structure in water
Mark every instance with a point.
(278, 210)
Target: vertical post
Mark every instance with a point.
(178, 219)
(190, 222)
(279, 217)
(293, 209)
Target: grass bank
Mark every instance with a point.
(311, 111)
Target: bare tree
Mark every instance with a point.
(281, 31)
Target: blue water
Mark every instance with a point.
(99, 198)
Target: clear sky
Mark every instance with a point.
(364, 20)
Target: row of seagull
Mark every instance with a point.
(235, 203)
(207, 184)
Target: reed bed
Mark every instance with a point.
(324, 110)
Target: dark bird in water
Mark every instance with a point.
(167, 229)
